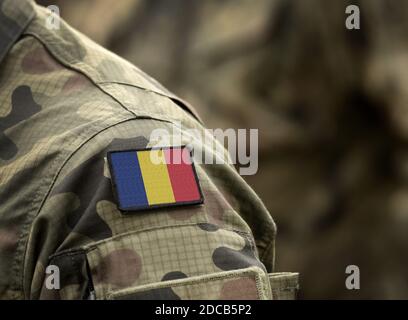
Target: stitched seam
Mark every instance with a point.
(30, 218)
(271, 240)
(94, 245)
(36, 196)
(253, 272)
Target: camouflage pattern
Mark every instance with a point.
(250, 283)
(330, 105)
(64, 103)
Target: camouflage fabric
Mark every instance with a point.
(64, 103)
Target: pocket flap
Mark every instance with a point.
(244, 284)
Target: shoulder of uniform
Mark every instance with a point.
(104, 68)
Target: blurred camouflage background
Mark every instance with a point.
(331, 106)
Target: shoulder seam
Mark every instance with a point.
(70, 67)
(36, 31)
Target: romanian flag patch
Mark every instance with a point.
(152, 178)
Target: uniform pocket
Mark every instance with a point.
(194, 261)
(196, 255)
(245, 284)
(284, 285)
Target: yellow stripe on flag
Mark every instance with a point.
(155, 177)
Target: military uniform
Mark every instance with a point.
(64, 103)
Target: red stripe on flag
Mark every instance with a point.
(181, 175)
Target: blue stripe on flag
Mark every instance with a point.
(129, 182)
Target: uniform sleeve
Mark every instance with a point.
(221, 249)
